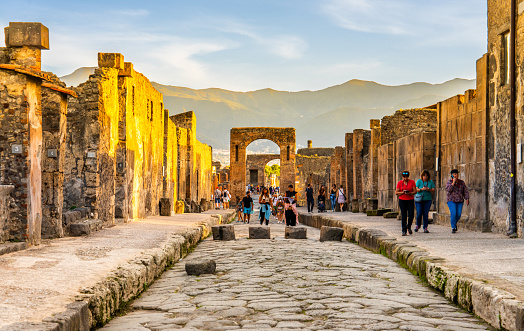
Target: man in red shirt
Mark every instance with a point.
(406, 189)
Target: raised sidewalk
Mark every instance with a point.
(76, 283)
(481, 272)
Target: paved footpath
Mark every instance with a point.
(292, 285)
(42, 281)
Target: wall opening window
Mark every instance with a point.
(236, 153)
(151, 118)
(288, 153)
(505, 58)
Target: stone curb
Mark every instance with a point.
(497, 307)
(98, 304)
(10, 247)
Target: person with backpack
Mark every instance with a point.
(218, 197)
(341, 198)
(457, 193)
(424, 199)
(226, 197)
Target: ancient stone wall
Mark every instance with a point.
(349, 166)
(462, 142)
(387, 176)
(255, 163)
(6, 200)
(312, 170)
(316, 151)
(203, 173)
(361, 145)
(406, 122)
(337, 174)
(499, 146)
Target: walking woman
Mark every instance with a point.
(457, 192)
(321, 199)
(424, 199)
(333, 197)
(341, 198)
(406, 189)
(265, 206)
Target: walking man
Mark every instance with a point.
(248, 206)
(457, 192)
(310, 199)
(218, 196)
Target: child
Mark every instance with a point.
(280, 210)
(321, 203)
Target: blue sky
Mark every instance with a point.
(249, 44)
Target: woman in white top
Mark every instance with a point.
(341, 198)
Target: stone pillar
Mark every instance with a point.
(349, 166)
(309, 144)
(375, 143)
(358, 147)
(54, 124)
(21, 123)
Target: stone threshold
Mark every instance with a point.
(497, 307)
(97, 305)
(10, 247)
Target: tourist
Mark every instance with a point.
(271, 190)
(274, 205)
(265, 206)
(321, 199)
(291, 206)
(239, 209)
(333, 197)
(341, 198)
(457, 192)
(424, 199)
(406, 189)
(218, 195)
(247, 202)
(310, 198)
(280, 210)
(226, 197)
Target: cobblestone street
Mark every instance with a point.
(292, 284)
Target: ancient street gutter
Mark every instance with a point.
(513, 99)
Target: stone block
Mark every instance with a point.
(179, 207)
(30, 34)
(295, 233)
(328, 233)
(165, 207)
(198, 268)
(371, 213)
(381, 212)
(355, 206)
(111, 60)
(223, 232)
(85, 227)
(259, 232)
(391, 214)
(372, 204)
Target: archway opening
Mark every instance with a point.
(259, 153)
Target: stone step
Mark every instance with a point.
(10, 247)
(85, 227)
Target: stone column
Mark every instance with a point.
(375, 143)
(21, 123)
(349, 166)
(358, 147)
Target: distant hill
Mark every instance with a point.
(323, 116)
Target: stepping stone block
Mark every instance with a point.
(259, 232)
(391, 214)
(372, 204)
(295, 233)
(165, 207)
(328, 233)
(381, 212)
(371, 213)
(354, 206)
(223, 232)
(198, 268)
(85, 227)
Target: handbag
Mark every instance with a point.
(418, 197)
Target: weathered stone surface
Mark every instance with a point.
(223, 232)
(391, 214)
(85, 227)
(259, 232)
(31, 34)
(198, 268)
(328, 233)
(293, 232)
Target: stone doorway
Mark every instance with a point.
(285, 138)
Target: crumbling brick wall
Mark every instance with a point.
(314, 170)
(256, 163)
(6, 207)
(406, 122)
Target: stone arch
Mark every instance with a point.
(257, 162)
(285, 138)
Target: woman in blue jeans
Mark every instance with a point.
(425, 189)
(457, 193)
(333, 197)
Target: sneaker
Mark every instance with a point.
(409, 231)
(426, 231)
(404, 234)
(416, 228)
(454, 230)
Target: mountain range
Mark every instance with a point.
(323, 116)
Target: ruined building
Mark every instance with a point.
(105, 150)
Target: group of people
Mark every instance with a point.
(419, 194)
(270, 204)
(335, 196)
(222, 198)
(253, 189)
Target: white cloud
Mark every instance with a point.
(375, 16)
(288, 47)
(134, 12)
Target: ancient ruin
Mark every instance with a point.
(104, 150)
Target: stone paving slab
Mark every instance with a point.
(42, 281)
(292, 284)
(490, 264)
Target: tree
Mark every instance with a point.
(274, 169)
